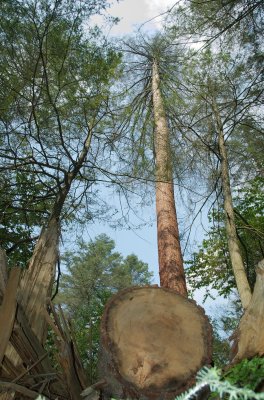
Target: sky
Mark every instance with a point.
(133, 13)
(143, 241)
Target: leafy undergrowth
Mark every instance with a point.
(248, 373)
(239, 382)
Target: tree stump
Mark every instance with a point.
(153, 342)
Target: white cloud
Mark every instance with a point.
(133, 13)
(158, 6)
(156, 10)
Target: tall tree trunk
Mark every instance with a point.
(170, 257)
(232, 238)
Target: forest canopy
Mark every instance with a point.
(171, 117)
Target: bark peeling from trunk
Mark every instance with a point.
(35, 286)
(37, 280)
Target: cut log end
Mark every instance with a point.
(153, 342)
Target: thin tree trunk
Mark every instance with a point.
(232, 238)
(170, 257)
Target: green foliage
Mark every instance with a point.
(52, 350)
(247, 374)
(94, 272)
(238, 22)
(223, 388)
(221, 349)
(211, 266)
(225, 322)
(137, 117)
(55, 78)
(21, 213)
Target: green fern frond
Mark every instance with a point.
(212, 377)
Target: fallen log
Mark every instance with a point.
(20, 389)
(153, 342)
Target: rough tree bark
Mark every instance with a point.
(232, 238)
(169, 249)
(153, 341)
(3, 273)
